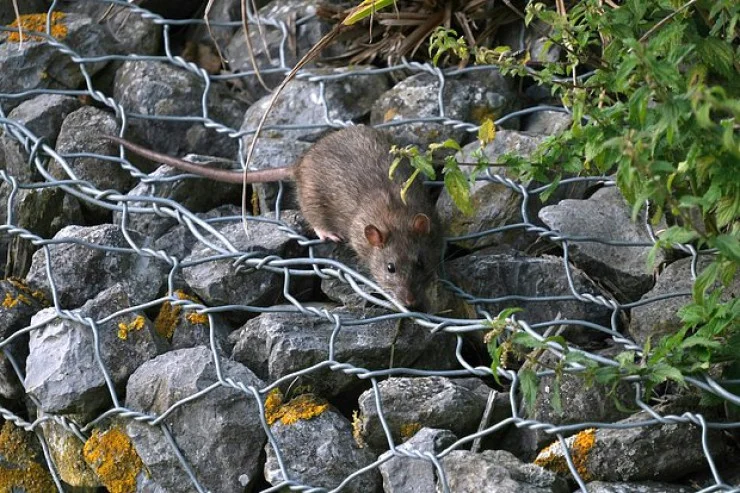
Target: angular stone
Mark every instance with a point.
(636, 487)
(278, 344)
(219, 433)
(531, 277)
(471, 97)
(52, 69)
(497, 471)
(81, 272)
(62, 371)
(413, 403)
(22, 464)
(606, 216)
(347, 99)
(66, 451)
(404, 474)
(547, 123)
(319, 451)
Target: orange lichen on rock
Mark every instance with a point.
(357, 429)
(580, 445)
(169, 314)
(22, 287)
(113, 458)
(302, 407)
(11, 302)
(37, 22)
(18, 469)
(409, 429)
(136, 324)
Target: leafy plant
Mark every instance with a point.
(655, 99)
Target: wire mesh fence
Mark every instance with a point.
(40, 153)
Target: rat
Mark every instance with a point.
(346, 195)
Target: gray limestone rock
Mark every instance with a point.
(526, 282)
(218, 282)
(160, 89)
(194, 194)
(495, 205)
(497, 471)
(606, 215)
(42, 115)
(300, 103)
(219, 433)
(62, 371)
(82, 271)
(66, 451)
(659, 318)
(40, 66)
(277, 344)
(433, 402)
(636, 487)
(409, 474)
(547, 123)
(320, 452)
(7, 11)
(471, 97)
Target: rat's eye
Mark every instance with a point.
(391, 267)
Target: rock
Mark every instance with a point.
(278, 344)
(22, 464)
(471, 97)
(662, 452)
(219, 434)
(62, 371)
(522, 281)
(43, 211)
(81, 272)
(276, 153)
(112, 456)
(406, 474)
(317, 448)
(497, 471)
(547, 123)
(410, 404)
(660, 317)
(217, 282)
(7, 11)
(495, 205)
(186, 328)
(52, 69)
(636, 487)
(606, 215)
(42, 115)
(160, 89)
(196, 195)
(336, 289)
(279, 16)
(347, 99)
(66, 451)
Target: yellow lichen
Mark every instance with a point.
(23, 288)
(552, 457)
(37, 22)
(113, 458)
(357, 429)
(11, 302)
(302, 407)
(389, 115)
(409, 429)
(19, 471)
(166, 320)
(136, 324)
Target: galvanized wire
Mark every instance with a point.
(312, 264)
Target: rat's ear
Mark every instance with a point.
(421, 224)
(374, 236)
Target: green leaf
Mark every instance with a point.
(407, 184)
(729, 246)
(528, 384)
(365, 9)
(394, 166)
(662, 372)
(718, 54)
(458, 187)
(423, 164)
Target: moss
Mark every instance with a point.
(409, 429)
(303, 407)
(166, 321)
(113, 458)
(37, 22)
(552, 457)
(136, 324)
(18, 470)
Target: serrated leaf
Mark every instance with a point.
(718, 55)
(729, 246)
(528, 384)
(423, 164)
(526, 340)
(663, 372)
(458, 187)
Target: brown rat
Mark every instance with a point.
(345, 195)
